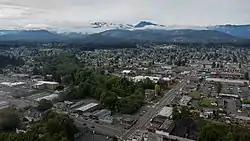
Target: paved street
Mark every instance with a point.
(144, 121)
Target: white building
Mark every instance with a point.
(166, 112)
(88, 107)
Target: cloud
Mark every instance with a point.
(77, 12)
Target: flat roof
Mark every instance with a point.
(86, 107)
(10, 84)
(166, 111)
(227, 80)
(184, 100)
(49, 97)
(46, 82)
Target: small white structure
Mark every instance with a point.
(87, 107)
(49, 97)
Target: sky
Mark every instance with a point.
(75, 13)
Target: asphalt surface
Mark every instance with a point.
(104, 129)
(144, 120)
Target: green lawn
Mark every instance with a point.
(195, 94)
(206, 102)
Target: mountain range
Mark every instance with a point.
(144, 31)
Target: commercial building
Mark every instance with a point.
(46, 85)
(88, 108)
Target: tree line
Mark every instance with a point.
(52, 127)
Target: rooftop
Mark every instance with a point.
(86, 107)
(166, 111)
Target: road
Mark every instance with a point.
(144, 120)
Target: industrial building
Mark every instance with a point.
(88, 108)
(101, 113)
(46, 85)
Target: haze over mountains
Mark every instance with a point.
(144, 31)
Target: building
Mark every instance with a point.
(106, 119)
(128, 122)
(48, 97)
(101, 113)
(227, 81)
(9, 84)
(184, 100)
(166, 112)
(165, 129)
(128, 72)
(88, 108)
(4, 104)
(46, 85)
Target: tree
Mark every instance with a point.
(44, 105)
(180, 114)
(157, 88)
(109, 99)
(213, 65)
(9, 120)
(114, 138)
(219, 87)
(246, 76)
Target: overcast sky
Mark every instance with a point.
(43, 13)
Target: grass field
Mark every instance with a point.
(206, 102)
(195, 94)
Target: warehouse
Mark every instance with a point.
(88, 108)
(101, 113)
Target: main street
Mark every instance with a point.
(144, 120)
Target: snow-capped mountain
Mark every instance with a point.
(147, 23)
(111, 25)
